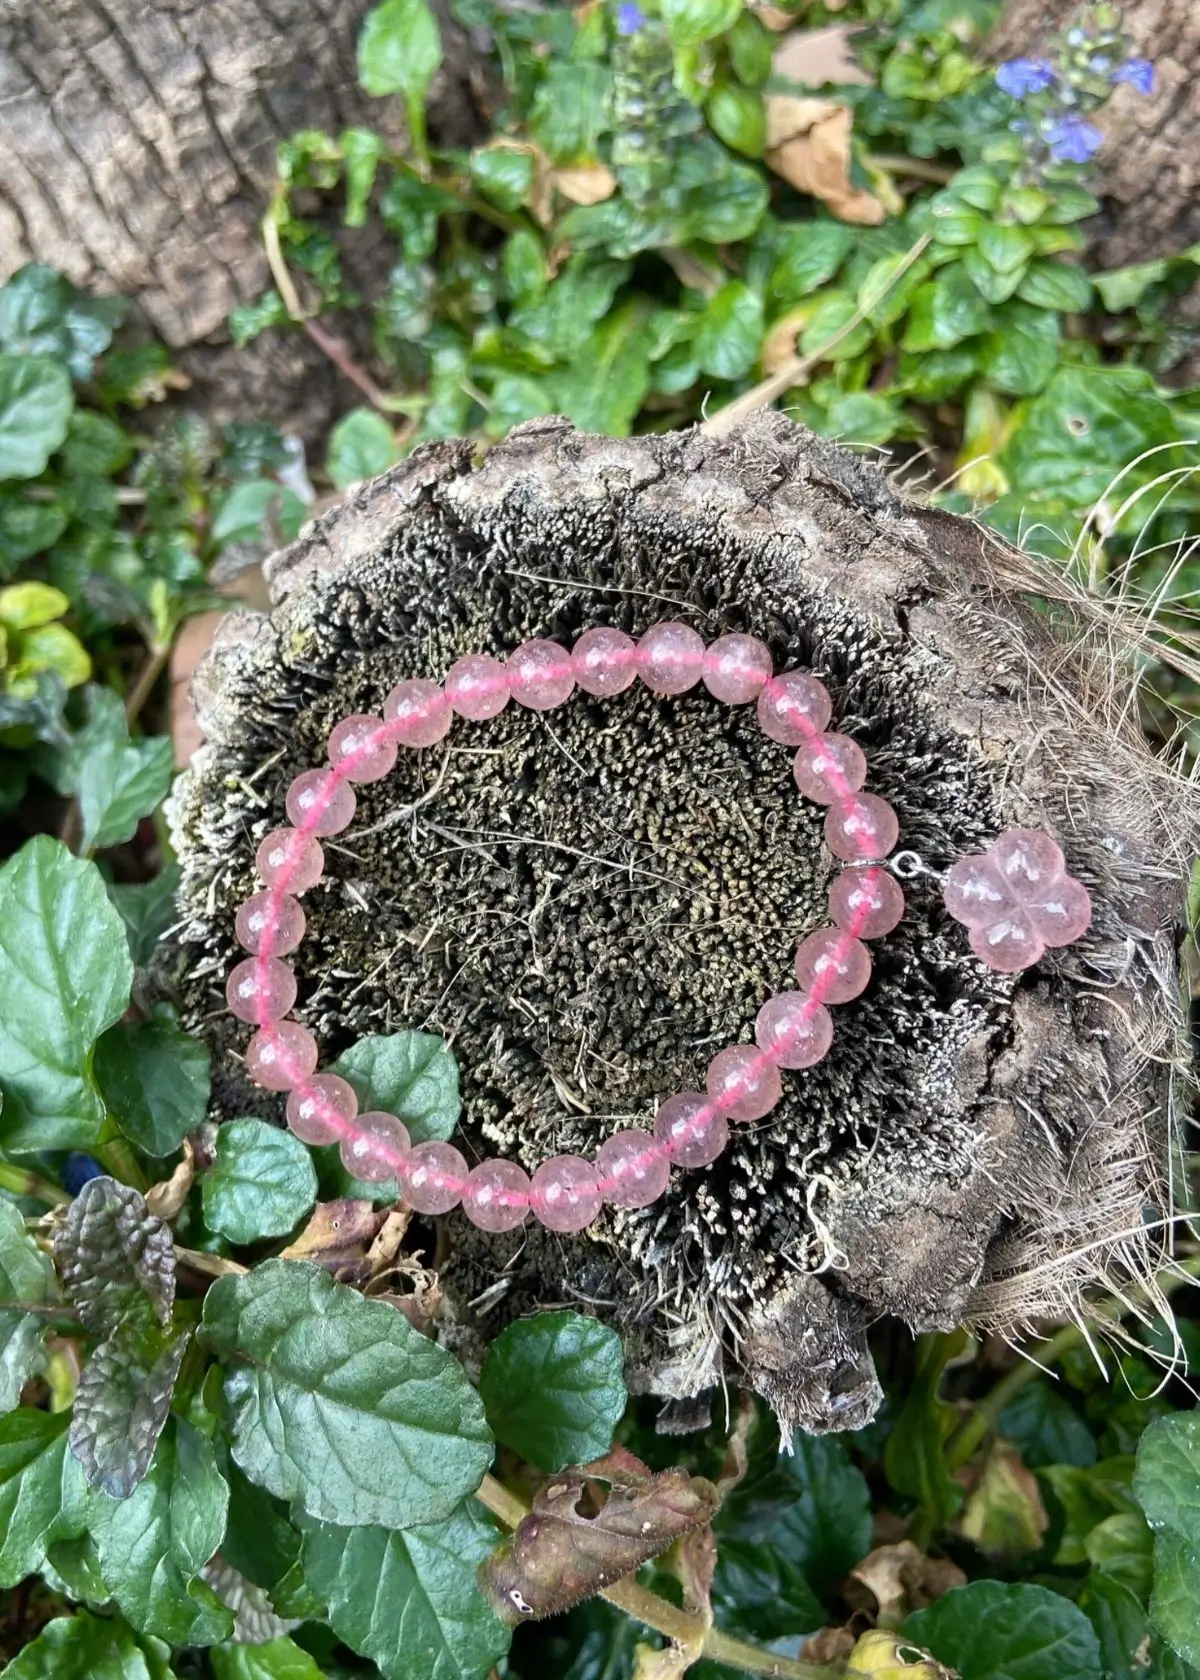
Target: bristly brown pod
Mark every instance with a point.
(588, 902)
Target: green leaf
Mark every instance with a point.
(1046, 1428)
(977, 186)
(42, 1491)
(1069, 203)
(399, 51)
(261, 1185)
(570, 110)
(1176, 1594)
(605, 388)
(96, 447)
(362, 445)
(155, 1081)
(862, 417)
(992, 286)
(36, 400)
(723, 200)
(1166, 1482)
(260, 1542)
(85, 1647)
(1087, 425)
(934, 375)
(990, 1630)
(361, 150)
(27, 528)
(112, 1251)
(563, 319)
(503, 174)
(278, 1659)
(117, 781)
(26, 1275)
(914, 1456)
(1055, 285)
(693, 21)
(738, 116)
(248, 320)
(1122, 1546)
(1122, 288)
(833, 313)
(121, 1406)
(1121, 1627)
(1022, 353)
(730, 332)
(43, 314)
(409, 1601)
(1004, 247)
(261, 511)
(147, 908)
(154, 1544)
(523, 263)
(945, 311)
(65, 976)
(412, 1075)
(810, 253)
(751, 50)
(554, 1388)
(337, 1402)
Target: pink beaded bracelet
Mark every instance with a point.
(792, 1030)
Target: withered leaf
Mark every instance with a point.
(338, 1237)
(900, 1578)
(808, 144)
(580, 1537)
(113, 1254)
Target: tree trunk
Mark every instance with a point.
(589, 904)
(138, 151)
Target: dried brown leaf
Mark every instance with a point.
(818, 57)
(808, 144)
(591, 184)
(338, 1237)
(165, 1199)
(1004, 1514)
(901, 1578)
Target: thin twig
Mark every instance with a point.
(143, 684)
(345, 364)
(893, 163)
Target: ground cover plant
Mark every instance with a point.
(228, 1448)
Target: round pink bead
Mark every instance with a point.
(377, 1148)
(1061, 913)
(692, 1132)
(1028, 860)
(540, 674)
(832, 965)
(794, 707)
(477, 686)
(829, 767)
(261, 989)
(1007, 944)
(318, 802)
(736, 668)
(633, 1169)
(670, 658)
(743, 1083)
(434, 1177)
(281, 1056)
(565, 1193)
(269, 924)
(974, 890)
(319, 1111)
(794, 1030)
(418, 713)
(360, 748)
(862, 828)
(867, 902)
(497, 1196)
(604, 661)
(289, 860)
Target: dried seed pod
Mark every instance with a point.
(590, 903)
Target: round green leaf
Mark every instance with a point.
(279, 1659)
(554, 1388)
(808, 256)
(262, 1183)
(362, 445)
(990, 1630)
(155, 1081)
(730, 333)
(503, 174)
(693, 21)
(1022, 353)
(409, 1074)
(1166, 1481)
(84, 1647)
(738, 116)
(1055, 285)
(1047, 1428)
(399, 49)
(337, 1402)
(36, 400)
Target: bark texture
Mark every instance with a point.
(590, 902)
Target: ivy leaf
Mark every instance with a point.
(279, 1659)
(116, 780)
(362, 445)
(147, 908)
(262, 1183)
(410, 1601)
(409, 1074)
(85, 1647)
(42, 1491)
(155, 1081)
(729, 336)
(26, 1275)
(554, 1388)
(121, 1408)
(1176, 1593)
(64, 977)
(111, 1251)
(36, 400)
(991, 1630)
(399, 51)
(43, 314)
(154, 1543)
(339, 1403)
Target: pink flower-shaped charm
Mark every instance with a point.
(1017, 899)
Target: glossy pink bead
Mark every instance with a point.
(565, 1193)
(743, 1083)
(975, 892)
(861, 829)
(318, 802)
(736, 668)
(633, 1169)
(477, 686)
(1008, 943)
(691, 1131)
(1028, 860)
(360, 748)
(866, 902)
(1060, 913)
(794, 1030)
(319, 1111)
(434, 1177)
(793, 707)
(281, 1056)
(377, 1148)
(540, 675)
(670, 658)
(269, 924)
(261, 989)
(418, 713)
(604, 661)
(829, 767)
(832, 965)
(497, 1196)
(289, 860)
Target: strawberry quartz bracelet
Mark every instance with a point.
(793, 1029)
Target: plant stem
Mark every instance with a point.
(21, 1183)
(345, 364)
(143, 683)
(117, 1157)
(919, 168)
(666, 1618)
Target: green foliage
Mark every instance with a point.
(991, 1630)
(261, 1184)
(553, 1388)
(154, 1081)
(26, 1277)
(409, 1074)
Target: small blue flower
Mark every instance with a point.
(1071, 140)
(1099, 64)
(630, 17)
(1138, 72)
(1019, 76)
(77, 1169)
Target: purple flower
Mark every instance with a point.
(1019, 76)
(1138, 72)
(630, 17)
(1071, 140)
